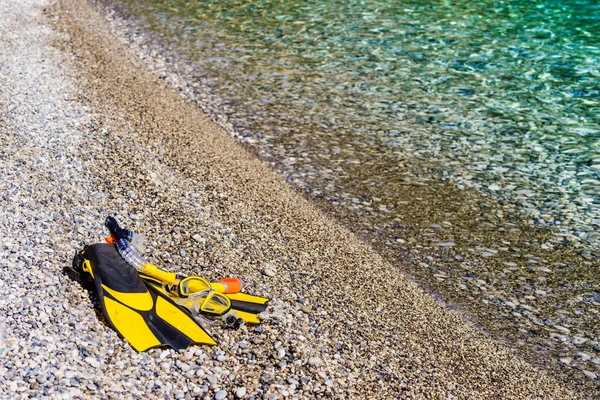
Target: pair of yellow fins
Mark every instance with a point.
(141, 308)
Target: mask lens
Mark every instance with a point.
(215, 303)
(193, 284)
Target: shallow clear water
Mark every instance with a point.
(369, 105)
(505, 95)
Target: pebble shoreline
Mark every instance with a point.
(523, 279)
(85, 131)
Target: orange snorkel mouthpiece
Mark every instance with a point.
(231, 285)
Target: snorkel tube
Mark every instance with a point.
(122, 239)
(195, 292)
(132, 257)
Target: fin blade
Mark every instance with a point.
(137, 301)
(248, 298)
(140, 313)
(248, 304)
(181, 321)
(248, 318)
(130, 325)
(251, 308)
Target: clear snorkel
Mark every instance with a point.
(193, 292)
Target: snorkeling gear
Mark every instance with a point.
(121, 237)
(193, 292)
(142, 315)
(151, 307)
(243, 305)
(202, 299)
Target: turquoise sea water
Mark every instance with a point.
(363, 104)
(504, 60)
(504, 94)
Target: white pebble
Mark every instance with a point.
(315, 361)
(240, 392)
(263, 316)
(92, 361)
(199, 238)
(185, 367)
(589, 374)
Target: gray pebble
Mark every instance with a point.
(583, 356)
(220, 395)
(579, 340)
(586, 254)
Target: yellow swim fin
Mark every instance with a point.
(140, 313)
(247, 306)
(243, 305)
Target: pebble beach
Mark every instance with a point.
(87, 130)
(426, 154)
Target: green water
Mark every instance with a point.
(475, 86)
(523, 58)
